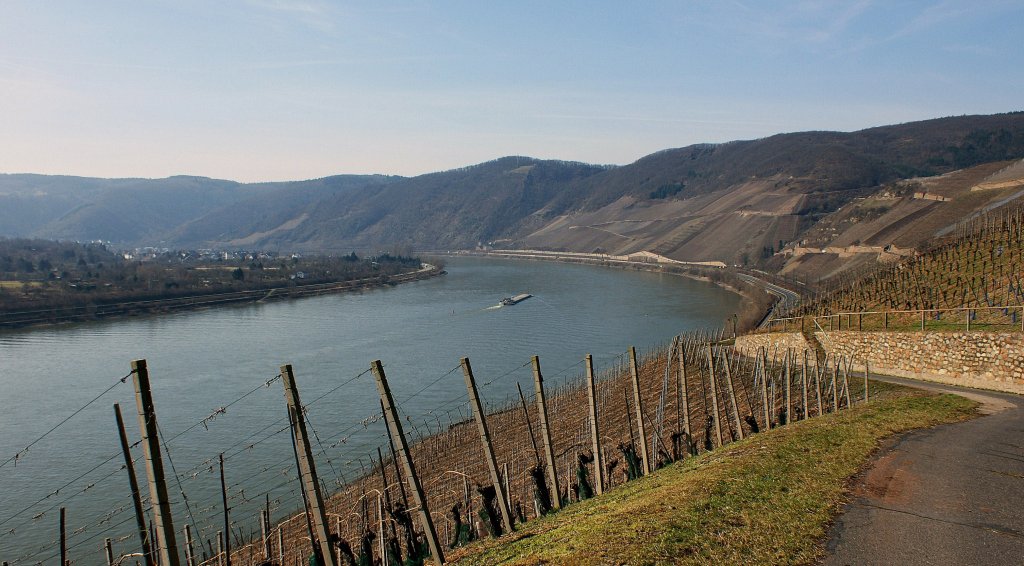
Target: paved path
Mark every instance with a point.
(953, 494)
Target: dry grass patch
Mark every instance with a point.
(766, 500)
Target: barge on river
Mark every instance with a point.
(509, 301)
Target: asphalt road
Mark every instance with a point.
(953, 494)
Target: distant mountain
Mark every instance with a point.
(267, 210)
(154, 211)
(734, 202)
(454, 209)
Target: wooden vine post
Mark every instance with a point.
(63, 537)
(398, 435)
(545, 433)
(835, 387)
(227, 521)
(190, 552)
(307, 469)
(595, 434)
(485, 439)
(714, 396)
(763, 369)
(732, 397)
(803, 384)
(529, 426)
(684, 401)
(133, 484)
(818, 372)
(846, 381)
(265, 534)
(166, 544)
(220, 548)
(867, 371)
(634, 370)
(789, 386)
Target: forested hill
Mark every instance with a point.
(713, 201)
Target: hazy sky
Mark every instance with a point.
(280, 89)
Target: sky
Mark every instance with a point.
(260, 90)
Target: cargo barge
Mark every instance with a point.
(509, 301)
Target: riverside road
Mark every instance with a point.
(952, 494)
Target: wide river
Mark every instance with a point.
(203, 361)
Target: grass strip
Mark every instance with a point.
(769, 499)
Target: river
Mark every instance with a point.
(201, 361)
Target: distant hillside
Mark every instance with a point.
(740, 202)
(263, 211)
(454, 209)
(154, 211)
(736, 202)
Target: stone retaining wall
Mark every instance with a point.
(985, 360)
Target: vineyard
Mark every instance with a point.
(596, 429)
(973, 277)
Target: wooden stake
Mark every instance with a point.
(166, 544)
(638, 401)
(764, 388)
(685, 400)
(788, 384)
(280, 545)
(265, 534)
(190, 552)
(714, 396)
(866, 372)
(485, 439)
(395, 429)
(63, 538)
(337, 529)
(307, 469)
(508, 493)
(732, 396)
(227, 522)
(529, 427)
(109, 551)
(803, 384)
(846, 381)
(818, 372)
(595, 434)
(220, 548)
(545, 432)
(835, 388)
(133, 484)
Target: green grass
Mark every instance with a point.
(766, 500)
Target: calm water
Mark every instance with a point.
(202, 361)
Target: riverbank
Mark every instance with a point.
(107, 310)
(756, 303)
